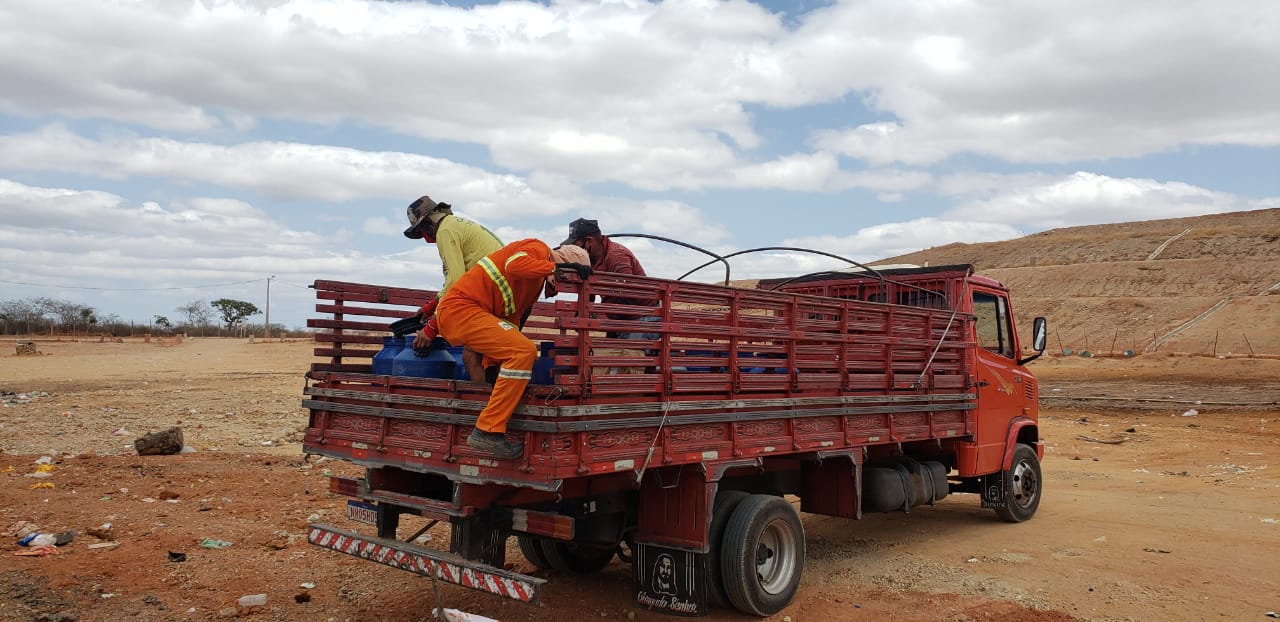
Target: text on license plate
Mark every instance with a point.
(362, 512)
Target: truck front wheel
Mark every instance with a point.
(1021, 486)
(762, 555)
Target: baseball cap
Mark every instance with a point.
(581, 228)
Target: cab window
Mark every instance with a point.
(994, 331)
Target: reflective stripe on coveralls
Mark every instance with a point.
(508, 297)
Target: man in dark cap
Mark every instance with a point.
(609, 256)
(606, 255)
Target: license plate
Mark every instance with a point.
(361, 512)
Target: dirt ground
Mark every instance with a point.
(1151, 512)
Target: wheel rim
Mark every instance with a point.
(776, 556)
(1025, 484)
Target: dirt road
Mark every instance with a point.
(1175, 522)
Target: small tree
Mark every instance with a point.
(109, 322)
(22, 313)
(67, 315)
(162, 322)
(234, 311)
(196, 313)
(86, 314)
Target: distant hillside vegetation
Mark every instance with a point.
(1167, 285)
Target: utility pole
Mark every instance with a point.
(268, 331)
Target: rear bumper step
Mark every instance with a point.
(427, 562)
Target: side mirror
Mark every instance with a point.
(1039, 339)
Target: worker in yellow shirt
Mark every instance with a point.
(461, 244)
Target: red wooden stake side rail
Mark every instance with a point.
(734, 374)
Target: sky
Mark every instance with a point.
(159, 152)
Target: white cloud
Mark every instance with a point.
(1045, 81)
(899, 238)
(383, 226)
(298, 171)
(69, 237)
(282, 170)
(793, 172)
(602, 91)
(65, 237)
(1089, 198)
(656, 94)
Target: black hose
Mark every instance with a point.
(724, 260)
(781, 248)
(679, 243)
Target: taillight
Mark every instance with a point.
(556, 526)
(349, 486)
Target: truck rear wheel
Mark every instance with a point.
(1021, 486)
(531, 547)
(725, 504)
(762, 555)
(576, 558)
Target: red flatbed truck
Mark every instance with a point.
(855, 392)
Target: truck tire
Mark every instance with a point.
(576, 558)
(725, 503)
(1021, 486)
(762, 555)
(531, 547)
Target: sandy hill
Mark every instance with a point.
(1182, 284)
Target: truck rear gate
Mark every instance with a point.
(866, 399)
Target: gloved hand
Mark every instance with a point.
(583, 270)
(429, 309)
(423, 339)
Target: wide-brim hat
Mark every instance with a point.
(418, 212)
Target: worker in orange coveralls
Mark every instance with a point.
(482, 312)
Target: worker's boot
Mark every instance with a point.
(495, 443)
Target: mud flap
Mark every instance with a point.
(992, 490)
(670, 581)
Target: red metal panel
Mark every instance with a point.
(831, 488)
(868, 429)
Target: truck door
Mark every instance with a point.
(1001, 384)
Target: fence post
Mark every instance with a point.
(1247, 344)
